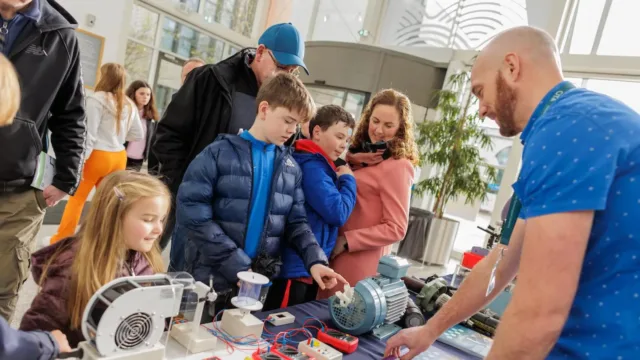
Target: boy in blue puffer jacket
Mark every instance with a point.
(241, 199)
(330, 195)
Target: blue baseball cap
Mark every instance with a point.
(285, 43)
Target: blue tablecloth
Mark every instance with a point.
(369, 347)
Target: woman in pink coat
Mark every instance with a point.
(383, 179)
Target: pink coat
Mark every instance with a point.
(378, 220)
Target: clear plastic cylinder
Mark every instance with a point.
(250, 288)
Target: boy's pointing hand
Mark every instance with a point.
(326, 277)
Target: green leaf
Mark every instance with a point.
(453, 144)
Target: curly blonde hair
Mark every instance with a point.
(403, 145)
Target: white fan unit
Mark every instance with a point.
(117, 326)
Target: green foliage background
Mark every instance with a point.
(452, 144)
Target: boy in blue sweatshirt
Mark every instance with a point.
(241, 199)
(330, 195)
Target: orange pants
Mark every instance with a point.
(99, 165)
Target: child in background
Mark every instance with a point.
(241, 198)
(330, 195)
(15, 344)
(112, 119)
(118, 238)
(138, 150)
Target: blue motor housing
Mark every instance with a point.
(377, 300)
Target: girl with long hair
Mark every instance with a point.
(383, 155)
(112, 119)
(119, 237)
(138, 150)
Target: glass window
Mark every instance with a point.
(339, 20)
(137, 61)
(244, 16)
(625, 91)
(169, 34)
(325, 96)
(186, 41)
(622, 23)
(586, 26)
(210, 11)
(167, 79)
(354, 104)
(209, 49)
(226, 12)
(143, 25)
(237, 15)
(189, 5)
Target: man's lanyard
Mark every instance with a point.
(563, 88)
(516, 205)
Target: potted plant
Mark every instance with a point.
(452, 145)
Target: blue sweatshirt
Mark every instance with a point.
(32, 345)
(263, 157)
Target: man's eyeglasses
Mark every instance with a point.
(291, 69)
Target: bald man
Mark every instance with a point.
(576, 245)
(188, 66)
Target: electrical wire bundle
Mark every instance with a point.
(284, 339)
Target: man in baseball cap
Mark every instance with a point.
(218, 99)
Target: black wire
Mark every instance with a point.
(77, 353)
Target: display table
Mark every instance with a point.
(369, 347)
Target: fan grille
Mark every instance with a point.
(133, 331)
(353, 315)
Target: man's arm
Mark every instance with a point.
(194, 212)
(176, 129)
(470, 297)
(547, 282)
(558, 203)
(16, 344)
(68, 125)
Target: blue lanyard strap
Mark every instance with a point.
(563, 87)
(516, 204)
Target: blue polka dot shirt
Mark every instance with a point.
(583, 153)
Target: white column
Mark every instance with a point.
(510, 176)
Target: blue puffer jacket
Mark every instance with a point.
(213, 210)
(329, 202)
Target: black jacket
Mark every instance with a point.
(47, 59)
(197, 114)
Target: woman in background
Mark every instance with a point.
(112, 119)
(138, 150)
(383, 178)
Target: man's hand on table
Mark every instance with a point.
(417, 340)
